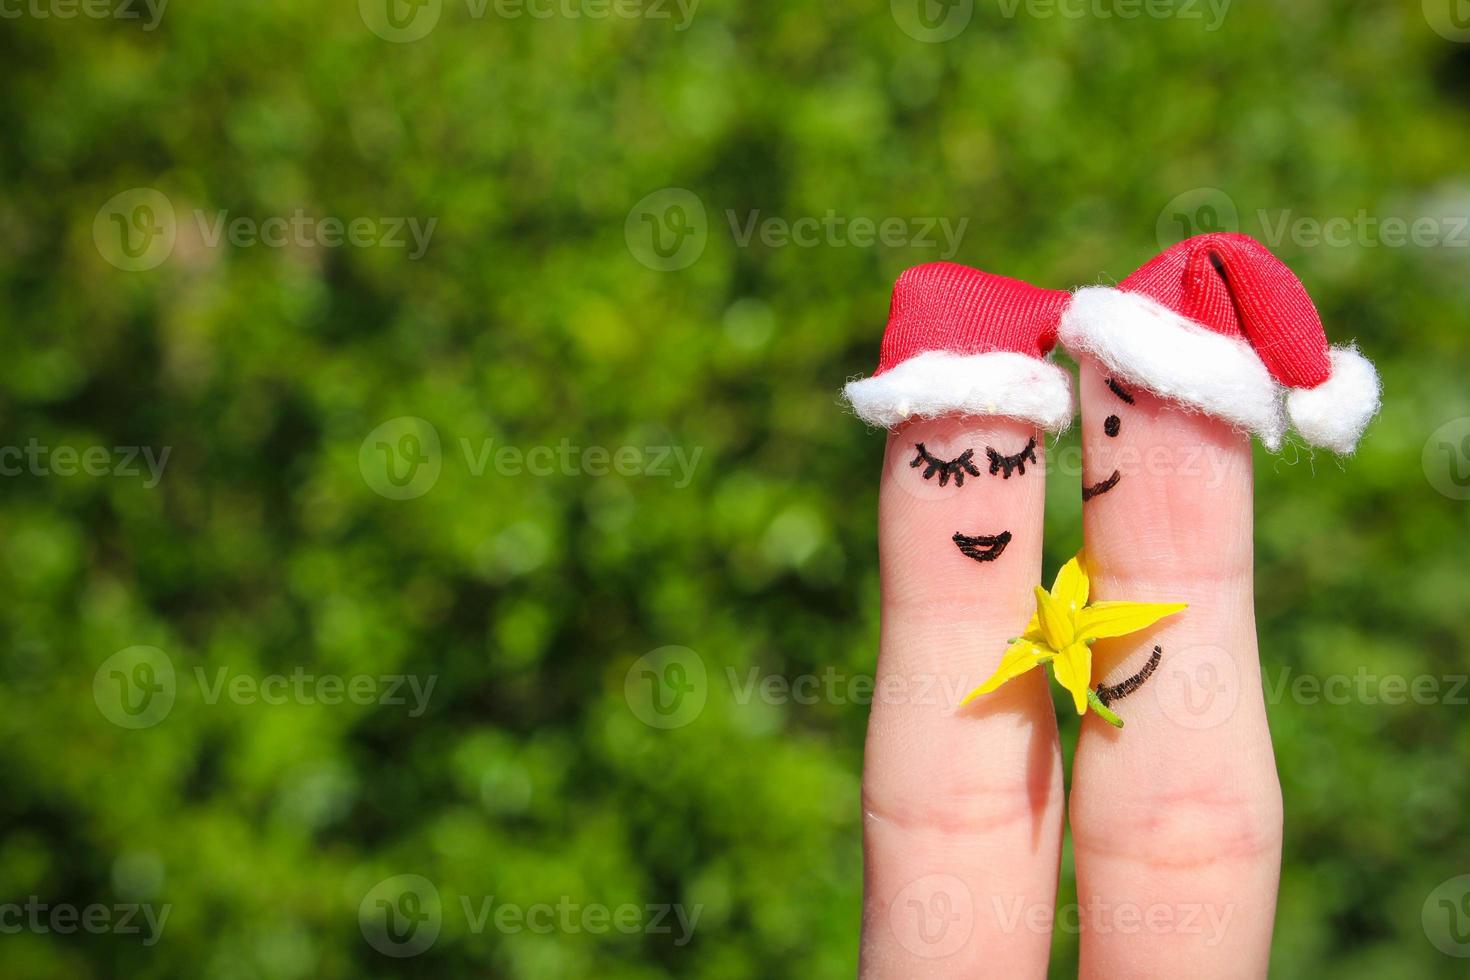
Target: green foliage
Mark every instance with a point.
(265, 548)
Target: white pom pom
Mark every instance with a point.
(1335, 413)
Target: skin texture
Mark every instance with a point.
(1176, 819)
(962, 806)
(1179, 812)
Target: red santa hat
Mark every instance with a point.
(962, 341)
(1218, 323)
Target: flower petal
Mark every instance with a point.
(1073, 668)
(1104, 619)
(1071, 587)
(1021, 656)
(1055, 619)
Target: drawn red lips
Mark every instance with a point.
(1097, 489)
(984, 547)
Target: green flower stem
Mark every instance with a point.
(1103, 712)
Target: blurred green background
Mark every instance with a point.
(587, 281)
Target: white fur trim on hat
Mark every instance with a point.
(1335, 413)
(940, 382)
(1149, 344)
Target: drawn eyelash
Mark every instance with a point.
(957, 467)
(1016, 463)
(1118, 390)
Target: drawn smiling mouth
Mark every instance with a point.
(1101, 488)
(983, 548)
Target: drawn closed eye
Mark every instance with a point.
(1005, 465)
(957, 467)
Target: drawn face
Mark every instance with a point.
(1112, 426)
(975, 466)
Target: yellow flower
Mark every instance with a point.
(1062, 633)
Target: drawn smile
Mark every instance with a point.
(984, 548)
(1101, 488)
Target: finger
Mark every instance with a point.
(1176, 818)
(962, 805)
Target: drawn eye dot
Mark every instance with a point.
(1110, 426)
